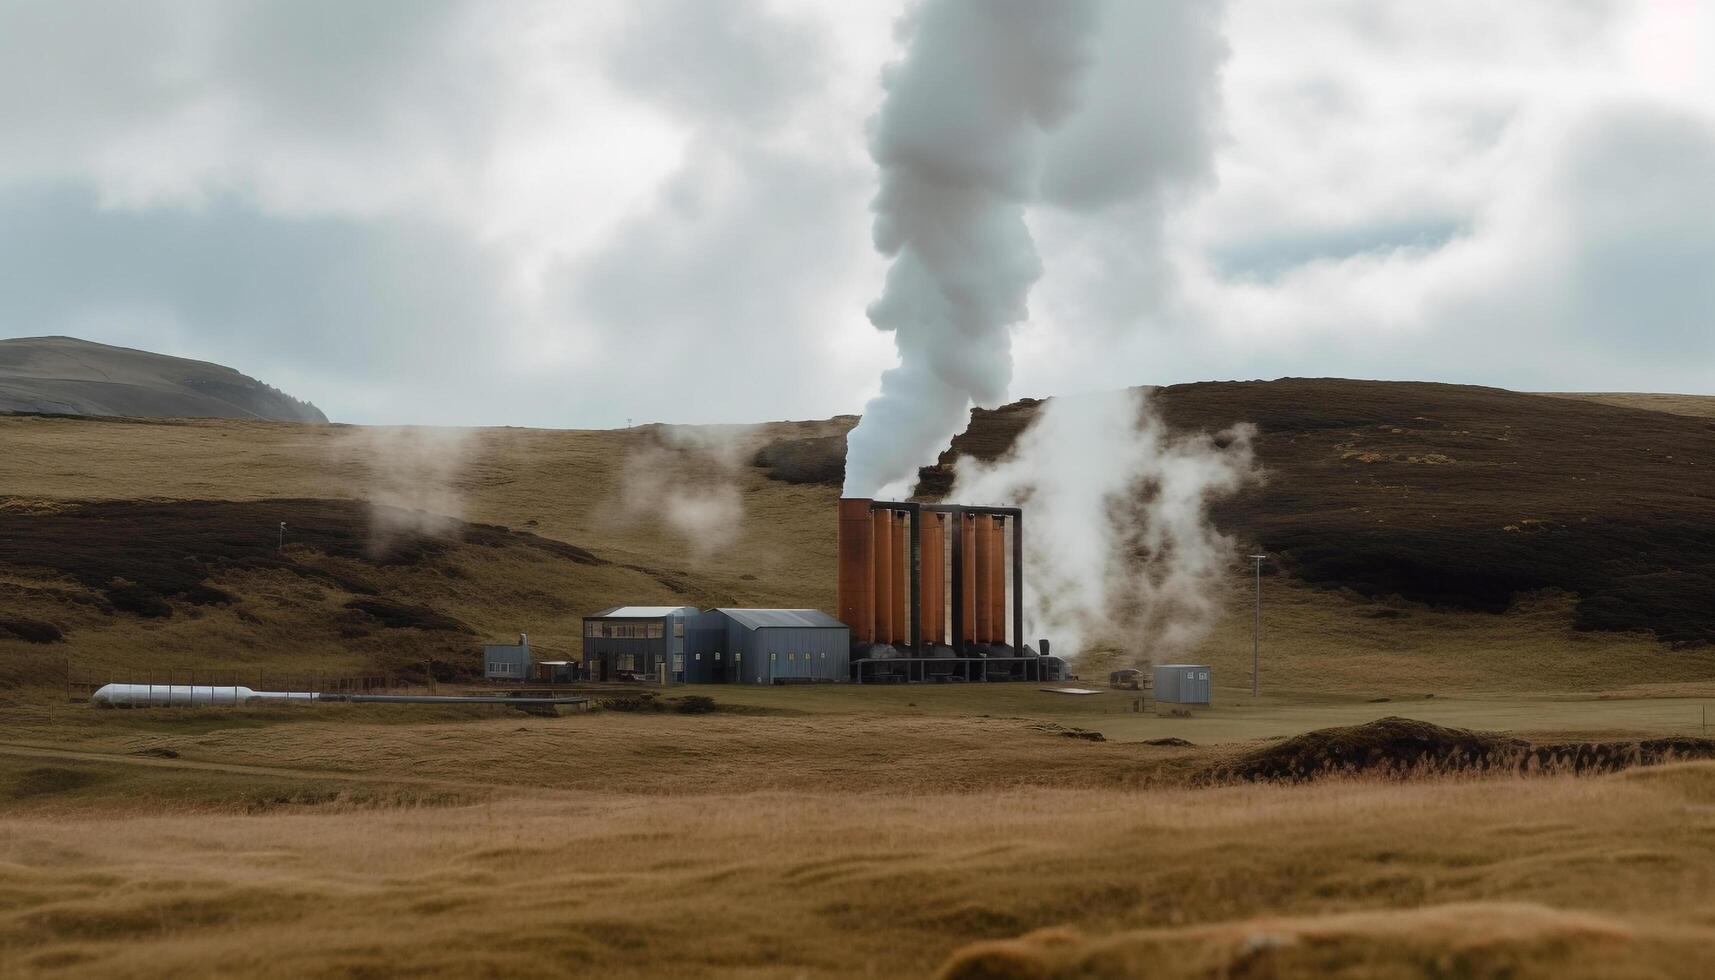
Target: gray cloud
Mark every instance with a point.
(448, 212)
(1638, 199)
(714, 60)
(376, 306)
(1148, 107)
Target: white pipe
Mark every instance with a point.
(188, 695)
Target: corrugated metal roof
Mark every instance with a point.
(799, 618)
(642, 612)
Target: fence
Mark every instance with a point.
(81, 684)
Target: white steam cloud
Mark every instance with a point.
(688, 475)
(1121, 557)
(997, 106)
(957, 140)
(410, 477)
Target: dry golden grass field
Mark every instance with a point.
(1697, 406)
(978, 830)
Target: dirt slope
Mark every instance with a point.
(67, 376)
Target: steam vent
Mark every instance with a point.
(932, 592)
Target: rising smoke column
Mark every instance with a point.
(958, 142)
(1097, 116)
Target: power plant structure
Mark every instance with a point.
(935, 592)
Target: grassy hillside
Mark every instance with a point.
(64, 375)
(1436, 539)
(154, 543)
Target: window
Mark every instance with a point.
(773, 657)
(698, 657)
(678, 627)
(717, 656)
(679, 662)
(627, 661)
(592, 629)
(791, 656)
(824, 654)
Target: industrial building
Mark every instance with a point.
(717, 646)
(507, 661)
(768, 646)
(635, 641)
(935, 591)
(926, 592)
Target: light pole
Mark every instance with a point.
(1256, 632)
(282, 536)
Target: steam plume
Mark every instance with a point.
(411, 478)
(957, 140)
(1094, 114)
(689, 477)
(1121, 555)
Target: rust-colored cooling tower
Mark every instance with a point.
(980, 585)
(931, 571)
(902, 573)
(997, 580)
(967, 597)
(876, 562)
(857, 569)
(883, 563)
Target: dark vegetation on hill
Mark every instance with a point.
(818, 459)
(67, 376)
(1451, 495)
(141, 557)
(1404, 747)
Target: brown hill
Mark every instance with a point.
(1450, 495)
(67, 376)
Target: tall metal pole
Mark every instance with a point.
(1256, 633)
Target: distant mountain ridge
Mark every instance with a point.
(67, 376)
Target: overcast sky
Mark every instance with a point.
(572, 214)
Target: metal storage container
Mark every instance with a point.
(1182, 684)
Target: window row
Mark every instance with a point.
(626, 631)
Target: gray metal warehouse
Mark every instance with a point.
(719, 646)
(768, 646)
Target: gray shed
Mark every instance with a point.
(1182, 684)
(768, 646)
(507, 661)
